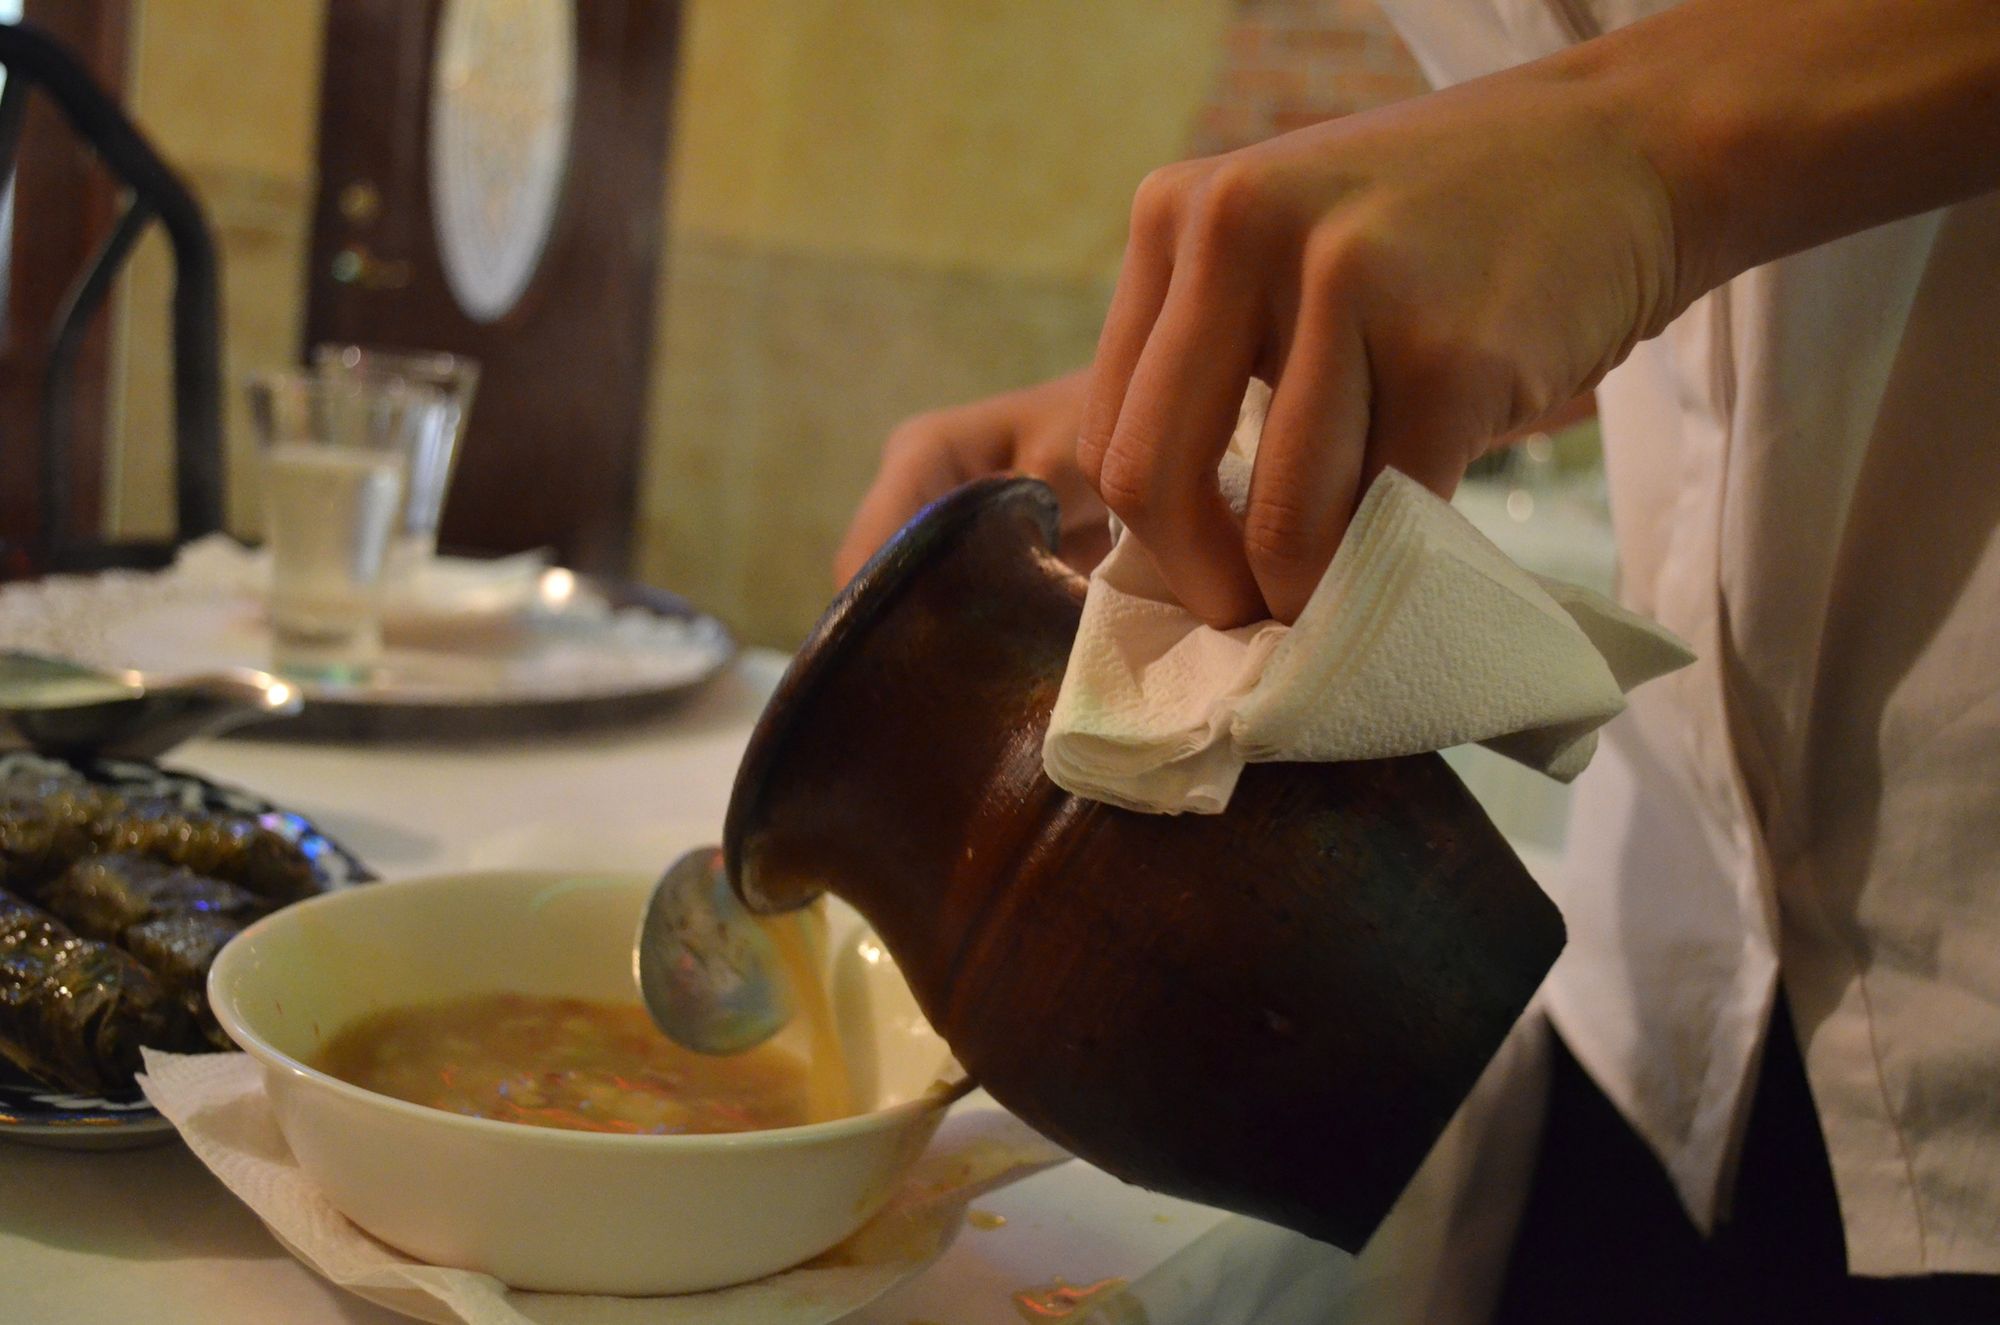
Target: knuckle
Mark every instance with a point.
(1090, 452)
(1128, 486)
(1090, 460)
(914, 435)
(1339, 262)
(1525, 402)
(1281, 539)
(1487, 371)
(1475, 392)
(1230, 206)
(1098, 426)
(1424, 363)
(1156, 203)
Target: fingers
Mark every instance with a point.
(918, 467)
(1143, 280)
(1424, 427)
(1085, 536)
(1159, 470)
(1031, 431)
(1044, 447)
(1176, 407)
(1307, 478)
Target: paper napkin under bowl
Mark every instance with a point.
(1422, 635)
(218, 1104)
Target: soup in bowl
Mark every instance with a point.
(461, 1064)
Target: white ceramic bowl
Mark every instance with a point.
(536, 1207)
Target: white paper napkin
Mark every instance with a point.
(1422, 635)
(217, 1102)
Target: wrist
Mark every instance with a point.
(1689, 133)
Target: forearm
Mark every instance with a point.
(1780, 124)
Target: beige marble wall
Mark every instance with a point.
(228, 90)
(992, 134)
(881, 206)
(779, 374)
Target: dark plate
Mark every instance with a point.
(32, 1111)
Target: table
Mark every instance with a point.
(149, 1236)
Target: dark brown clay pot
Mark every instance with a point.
(1274, 1009)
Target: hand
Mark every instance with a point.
(1031, 431)
(1414, 283)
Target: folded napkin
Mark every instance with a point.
(1421, 635)
(217, 1102)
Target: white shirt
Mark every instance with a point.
(1805, 478)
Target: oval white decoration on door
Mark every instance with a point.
(503, 90)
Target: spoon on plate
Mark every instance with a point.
(708, 973)
(64, 708)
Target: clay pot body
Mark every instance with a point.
(1274, 1010)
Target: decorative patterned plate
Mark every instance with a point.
(31, 1111)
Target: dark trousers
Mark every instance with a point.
(1604, 1240)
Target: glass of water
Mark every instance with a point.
(433, 457)
(333, 451)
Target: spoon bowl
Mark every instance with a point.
(708, 973)
(64, 708)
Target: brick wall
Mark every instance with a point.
(1290, 63)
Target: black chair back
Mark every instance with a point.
(152, 192)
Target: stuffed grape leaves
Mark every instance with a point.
(172, 919)
(119, 883)
(74, 1011)
(43, 829)
(227, 847)
(178, 950)
(103, 896)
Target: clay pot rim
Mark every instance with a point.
(867, 597)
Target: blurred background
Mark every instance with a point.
(773, 229)
(708, 252)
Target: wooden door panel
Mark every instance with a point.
(552, 450)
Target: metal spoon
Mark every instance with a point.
(63, 708)
(708, 973)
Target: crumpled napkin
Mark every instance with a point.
(1422, 635)
(217, 1102)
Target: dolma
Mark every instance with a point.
(221, 846)
(172, 919)
(74, 1011)
(103, 896)
(178, 950)
(57, 783)
(46, 823)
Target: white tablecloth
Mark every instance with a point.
(148, 1236)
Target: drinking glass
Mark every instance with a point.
(434, 455)
(334, 450)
